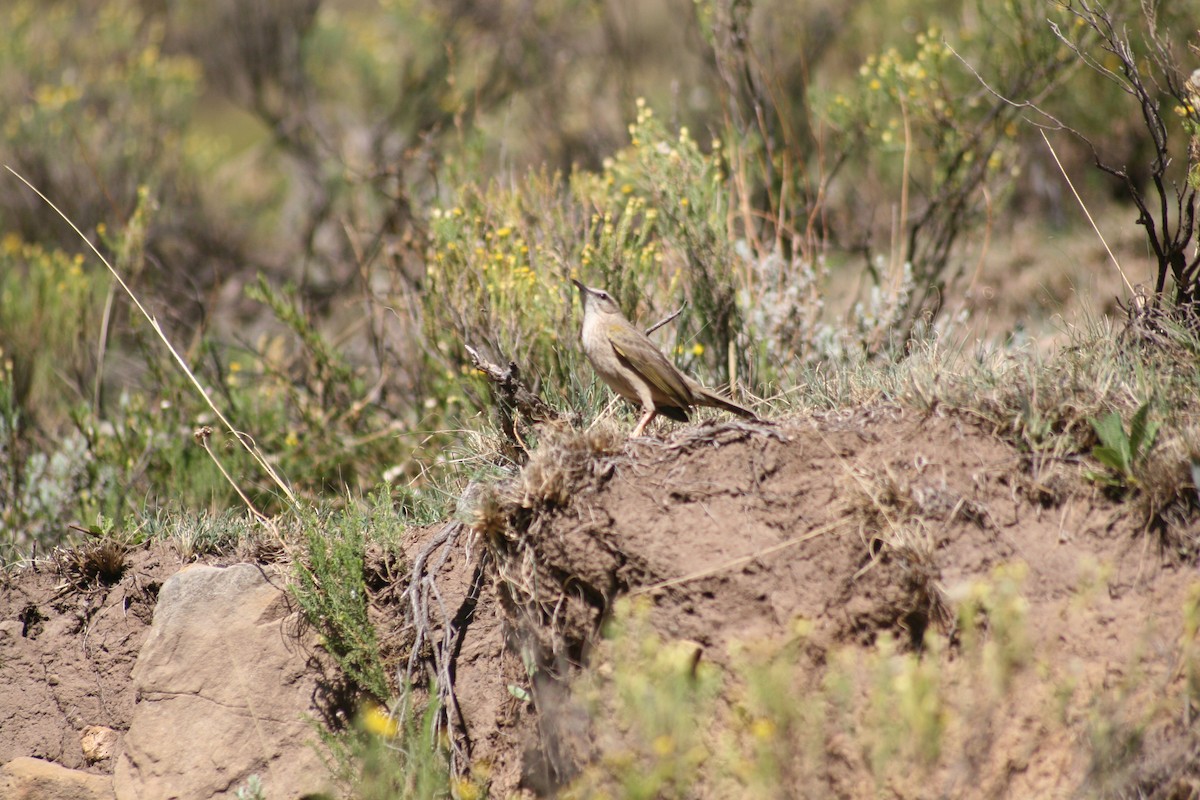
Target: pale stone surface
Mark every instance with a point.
(98, 743)
(27, 778)
(222, 693)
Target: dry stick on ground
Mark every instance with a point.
(734, 563)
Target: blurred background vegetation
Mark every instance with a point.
(324, 201)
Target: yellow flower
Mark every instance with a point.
(697, 349)
(504, 232)
(763, 729)
(626, 188)
(379, 722)
(466, 789)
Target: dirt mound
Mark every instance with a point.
(867, 525)
(868, 528)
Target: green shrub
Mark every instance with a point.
(331, 588)
(384, 757)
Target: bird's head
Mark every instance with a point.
(596, 301)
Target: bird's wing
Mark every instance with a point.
(635, 349)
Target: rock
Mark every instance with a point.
(223, 687)
(27, 778)
(98, 743)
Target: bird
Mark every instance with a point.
(636, 369)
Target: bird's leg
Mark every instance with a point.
(644, 421)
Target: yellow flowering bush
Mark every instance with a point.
(648, 227)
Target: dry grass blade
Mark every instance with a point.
(1087, 213)
(179, 360)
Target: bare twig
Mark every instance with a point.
(516, 401)
(1169, 215)
(664, 321)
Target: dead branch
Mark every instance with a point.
(515, 403)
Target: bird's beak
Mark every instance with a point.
(584, 292)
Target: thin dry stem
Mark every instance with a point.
(154, 324)
(1087, 213)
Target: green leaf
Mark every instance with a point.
(1105, 478)
(1111, 458)
(1112, 432)
(1142, 431)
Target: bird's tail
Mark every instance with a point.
(707, 397)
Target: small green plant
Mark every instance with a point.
(308, 403)
(331, 588)
(252, 790)
(906, 715)
(652, 709)
(380, 757)
(991, 625)
(778, 726)
(1123, 451)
